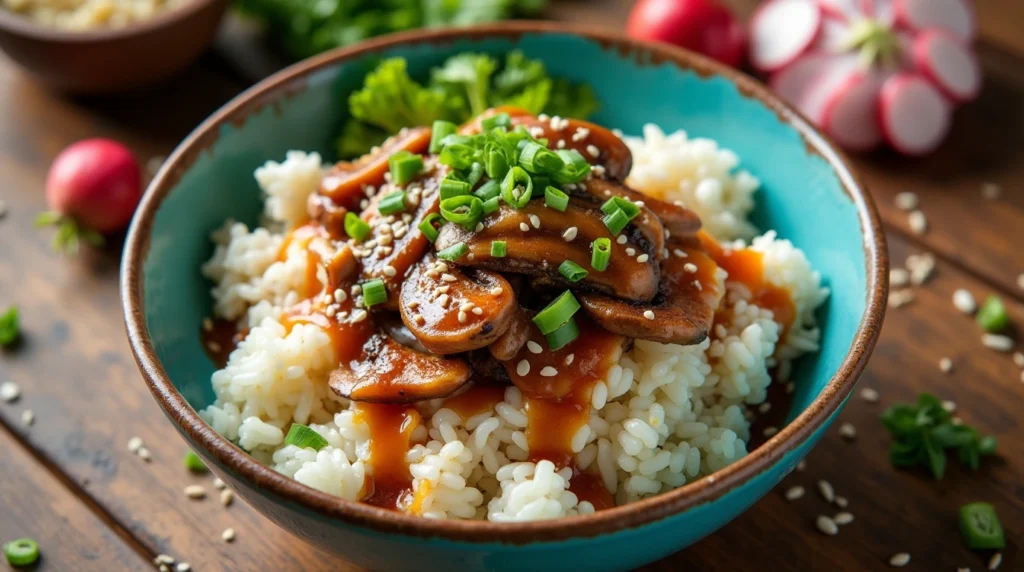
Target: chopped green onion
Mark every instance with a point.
(537, 158)
(474, 174)
(498, 249)
(193, 463)
(356, 227)
(992, 316)
(616, 221)
(457, 139)
(500, 120)
(9, 328)
(517, 188)
(438, 132)
(491, 205)
(561, 337)
(392, 203)
(571, 271)
(21, 552)
(404, 167)
(465, 210)
(576, 167)
(304, 437)
(454, 252)
(452, 187)
(456, 155)
(374, 292)
(488, 190)
(556, 199)
(981, 527)
(556, 313)
(601, 253)
(619, 203)
(428, 227)
(495, 161)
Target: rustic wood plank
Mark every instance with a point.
(36, 505)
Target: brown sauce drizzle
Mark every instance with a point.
(590, 487)
(389, 484)
(220, 340)
(476, 400)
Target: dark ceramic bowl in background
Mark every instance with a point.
(109, 60)
(809, 195)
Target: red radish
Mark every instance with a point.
(841, 9)
(948, 64)
(703, 26)
(825, 87)
(781, 31)
(849, 116)
(913, 114)
(92, 188)
(954, 16)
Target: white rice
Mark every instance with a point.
(665, 415)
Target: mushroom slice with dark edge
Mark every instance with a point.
(389, 372)
(598, 145)
(537, 243)
(683, 311)
(450, 311)
(346, 181)
(678, 220)
(509, 343)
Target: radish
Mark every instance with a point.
(913, 114)
(856, 47)
(92, 188)
(781, 31)
(703, 26)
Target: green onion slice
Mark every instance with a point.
(501, 120)
(456, 155)
(404, 167)
(981, 527)
(616, 221)
(556, 313)
(374, 292)
(193, 463)
(21, 552)
(454, 252)
(453, 187)
(492, 205)
(429, 226)
(992, 316)
(537, 158)
(495, 161)
(304, 437)
(575, 168)
(571, 271)
(564, 335)
(475, 173)
(392, 203)
(600, 253)
(356, 227)
(465, 210)
(9, 327)
(438, 132)
(488, 190)
(618, 203)
(498, 248)
(517, 188)
(556, 199)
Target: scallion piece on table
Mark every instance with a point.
(517, 188)
(21, 552)
(429, 226)
(537, 158)
(488, 190)
(495, 161)
(981, 527)
(438, 132)
(561, 337)
(404, 167)
(453, 252)
(556, 199)
(616, 221)
(392, 203)
(618, 203)
(498, 248)
(992, 316)
(193, 463)
(571, 271)
(601, 253)
(374, 292)
(500, 120)
(556, 313)
(465, 210)
(476, 171)
(9, 328)
(304, 437)
(356, 227)
(575, 168)
(492, 205)
(452, 187)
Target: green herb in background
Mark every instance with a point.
(922, 433)
(193, 463)
(9, 328)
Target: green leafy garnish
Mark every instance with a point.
(9, 327)
(923, 432)
(467, 75)
(391, 100)
(571, 100)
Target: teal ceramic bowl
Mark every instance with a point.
(809, 195)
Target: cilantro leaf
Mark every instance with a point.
(391, 100)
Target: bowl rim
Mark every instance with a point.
(22, 25)
(632, 515)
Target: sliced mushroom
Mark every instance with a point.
(509, 343)
(683, 311)
(345, 183)
(325, 211)
(389, 372)
(450, 311)
(537, 243)
(598, 145)
(487, 368)
(396, 330)
(678, 220)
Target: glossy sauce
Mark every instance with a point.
(220, 340)
(389, 483)
(476, 400)
(590, 487)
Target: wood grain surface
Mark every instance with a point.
(71, 471)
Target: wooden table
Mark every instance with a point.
(69, 481)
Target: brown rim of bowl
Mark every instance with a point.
(627, 516)
(25, 26)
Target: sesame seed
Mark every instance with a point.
(134, 444)
(497, 290)
(163, 559)
(548, 371)
(649, 314)
(621, 239)
(227, 496)
(843, 518)
(144, 454)
(478, 311)
(534, 347)
(690, 267)
(420, 320)
(570, 234)
(790, 387)
(359, 316)
(10, 391)
(569, 358)
(219, 484)
(390, 271)
(918, 223)
(991, 191)
(764, 407)
(524, 227)
(698, 285)
(826, 490)
(442, 300)
(183, 567)
(900, 298)
(945, 365)
(679, 253)
(593, 151)
(448, 277)
(921, 267)
(794, 493)
(195, 492)
(1020, 281)
(841, 502)
(899, 560)
(630, 251)
(228, 535)
(466, 306)
(462, 317)
(870, 395)
(801, 466)
(899, 277)
(848, 431)
(28, 417)
(523, 368)
(534, 220)
(906, 201)
(207, 324)
(560, 144)
(642, 258)
(997, 342)
(995, 561)
(827, 526)
(770, 431)
(1018, 359)
(213, 346)
(963, 301)
(356, 289)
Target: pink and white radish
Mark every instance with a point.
(854, 66)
